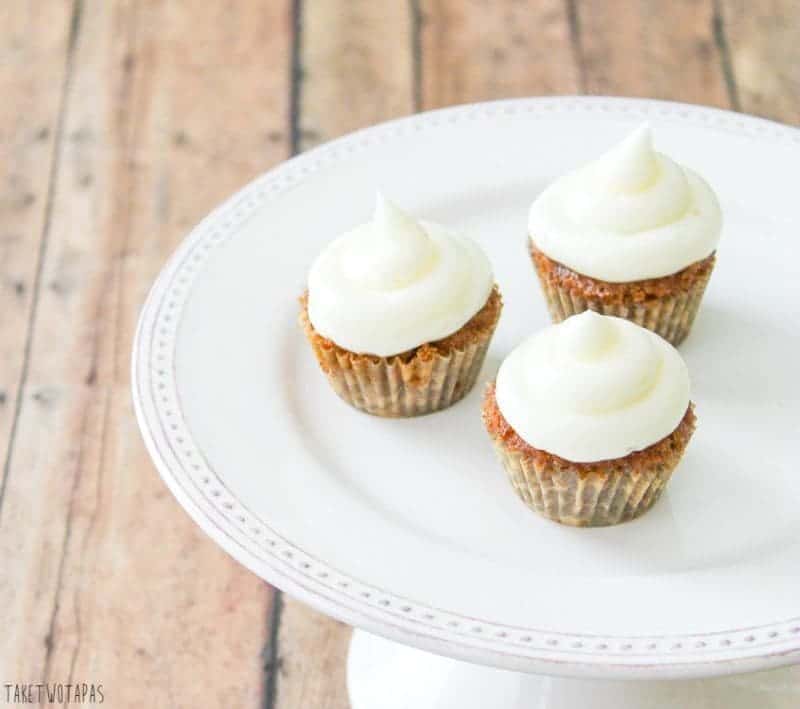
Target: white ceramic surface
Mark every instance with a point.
(379, 673)
(408, 528)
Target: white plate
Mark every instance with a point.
(408, 528)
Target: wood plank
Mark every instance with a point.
(629, 48)
(310, 663)
(355, 66)
(172, 105)
(34, 55)
(761, 42)
(481, 50)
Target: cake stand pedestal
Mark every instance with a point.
(382, 674)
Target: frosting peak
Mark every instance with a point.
(392, 222)
(631, 165)
(589, 337)
(390, 252)
(593, 388)
(632, 214)
(394, 283)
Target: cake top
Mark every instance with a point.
(593, 388)
(630, 215)
(394, 283)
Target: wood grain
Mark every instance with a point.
(105, 579)
(35, 52)
(661, 50)
(355, 66)
(480, 50)
(312, 664)
(761, 41)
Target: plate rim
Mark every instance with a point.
(203, 494)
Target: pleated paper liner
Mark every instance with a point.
(595, 500)
(670, 315)
(587, 495)
(393, 388)
(427, 380)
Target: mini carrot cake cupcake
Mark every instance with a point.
(400, 314)
(589, 418)
(632, 234)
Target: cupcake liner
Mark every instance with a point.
(611, 492)
(389, 386)
(670, 316)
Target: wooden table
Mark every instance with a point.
(123, 122)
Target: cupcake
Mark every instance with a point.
(400, 313)
(589, 418)
(632, 234)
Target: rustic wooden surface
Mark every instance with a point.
(123, 122)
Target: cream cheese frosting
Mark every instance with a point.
(630, 215)
(393, 284)
(593, 388)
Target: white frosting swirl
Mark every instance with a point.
(630, 215)
(394, 284)
(593, 388)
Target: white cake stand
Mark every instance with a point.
(407, 529)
